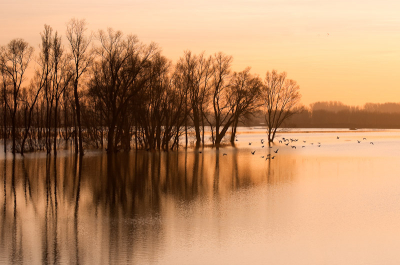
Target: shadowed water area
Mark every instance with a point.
(337, 203)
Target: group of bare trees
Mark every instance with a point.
(110, 90)
(35, 106)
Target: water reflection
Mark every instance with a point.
(307, 206)
(105, 209)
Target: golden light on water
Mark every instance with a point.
(337, 203)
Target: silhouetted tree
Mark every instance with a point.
(233, 96)
(79, 44)
(29, 99)
(4, 84)
(155, 104)
(245, 91)
(15, 58)
(222, 110)
(194, 73)
(118, 76)
(281, 100)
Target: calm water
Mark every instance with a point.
(334, 204)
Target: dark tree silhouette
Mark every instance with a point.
(118, 76)
(281, 100)
(121, 90)
(222, 110)
(14, 60)
(194, 73)
(4, 83)
(244, 93)
(79, 44)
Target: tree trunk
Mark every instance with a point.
(13, 133)
(110, 138)
(196, 122)
(78, 118)
(55, 127)
(233, 135)
(75, 132)
(5, 123)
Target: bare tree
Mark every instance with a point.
(29, 101)
(118, 76)
(15, 58)
(156, 106)
(194, 72)
(244, 94)
(61, 80)
(281, 99)
(222, 110)
(79, 44)
(5, 82)
(185, 69)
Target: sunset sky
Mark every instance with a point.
(340, 50)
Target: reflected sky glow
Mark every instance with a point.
(334, 204)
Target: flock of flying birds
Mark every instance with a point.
(291, 141)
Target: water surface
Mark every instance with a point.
(337, 203)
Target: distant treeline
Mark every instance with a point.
(335, 114)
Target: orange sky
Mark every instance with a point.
(358, 62)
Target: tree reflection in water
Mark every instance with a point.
(108, 208)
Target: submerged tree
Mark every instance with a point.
(79, 44)
(233, 96)
(118, 76)
(222, 110)
(4, 85)
(245, 90)
(281, 98)
(194, 74)
(14, 61)
(158, 116)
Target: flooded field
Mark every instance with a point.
(327, 197)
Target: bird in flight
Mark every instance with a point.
(253, 152)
